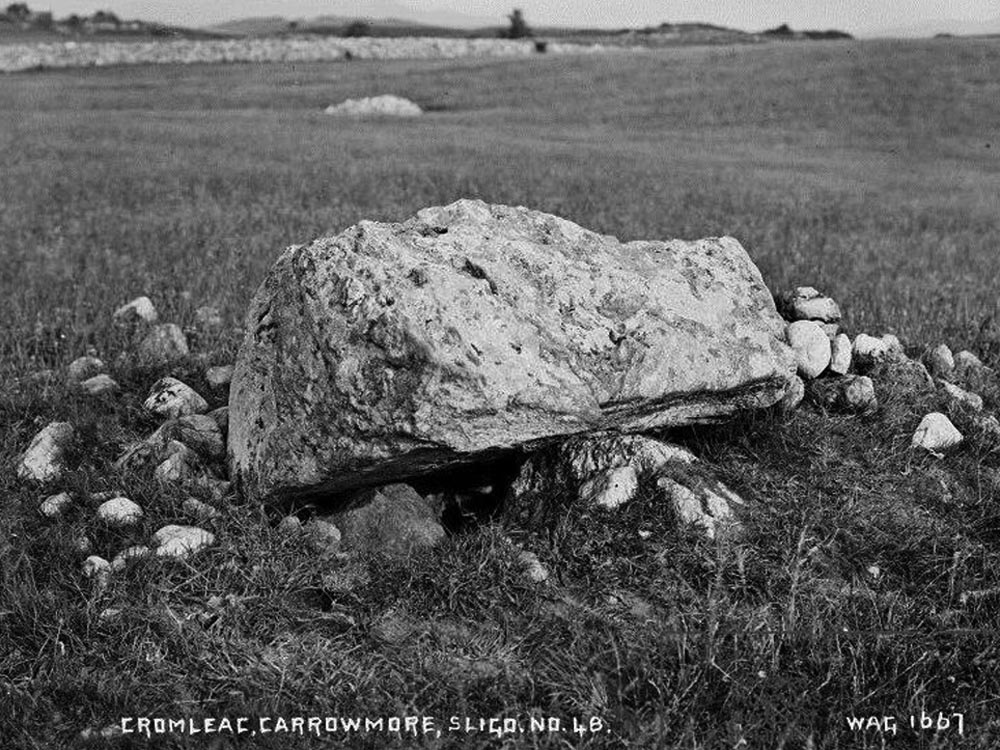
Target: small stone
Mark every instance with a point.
(201, 433)
(936, 432)
(971, 373)
(290, 525)
(109, 613)
(811, 347)
(181, 541)
(867, 351)
(961, 396)
(43, 461)
(966, 360)
(822, 309)
(386, 105)
(840, 354)
(393, 519)
(119, 511)
(99, 385)
(645, 534)
(611, 489)
(141, 308)
(322, 536)
(708, 509)
(988, 426)
(82, 544)
(940, 361)
(200, 511)
(83, 368)
(793, 395)
(96, 567)
(221, 417)
(55, 505)
(171, 398)
(219, 377)
(163, 344)
(123, 558)
(848, 393)
(533, 568)
(174, 468)
(208, 318)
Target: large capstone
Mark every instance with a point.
(394, 351)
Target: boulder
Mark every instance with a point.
(849, 393)
(393, 351)
(171, 398)
(181, 541)
(840, 354)
(940, 362)
(82, 368)
(43, 461)
(119, 511)
(99, 385)
(162, 345)
(936, 432)
(811, 346)
(139, 309)
(394, 520)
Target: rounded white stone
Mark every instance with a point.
(811, 346)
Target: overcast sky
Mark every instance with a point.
(856, 16)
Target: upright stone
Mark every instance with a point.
(394, 350)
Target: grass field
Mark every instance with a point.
(869, 170)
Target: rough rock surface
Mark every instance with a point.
(43, 461)
(806, 303)
(793, 396)
(959, 395)
(55, 505)
(139, 309)
(171, 398)
(219, 377)
(936, 432)
(99, 385)
(393, 519)
(386, 105)
(850, 393)
(395, 350)
(840, 354)
(811, 346)
(940, 361)
(709, 506)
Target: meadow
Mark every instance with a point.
(867, 169)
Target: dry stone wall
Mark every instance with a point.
(16, 57)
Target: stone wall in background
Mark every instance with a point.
(16, 57)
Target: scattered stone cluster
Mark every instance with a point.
(70, 54)
(188, 448)
(832, 370)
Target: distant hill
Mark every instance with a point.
(786, 32)
(926, 29)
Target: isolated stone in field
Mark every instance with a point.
(181, 541)
(611, 489)
(850, 393)
(323, 536)
(139, 309)
(959, 395)
(811, 346)
(534, 571)
(395, 350)
(55, 505)
(808, 304)
(940, 361)
(96, 567)
(171, 398)
(393, 519)
(200, 511)
(99, 385)
(119, 511)
(219, 377)
(793, 396)
(840, 354)
(936, 432)
(122, 559)
(208, 318)
(386, 105)
(43, 461)
(163, 344)
(82, 368)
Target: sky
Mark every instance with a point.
(856, 16)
